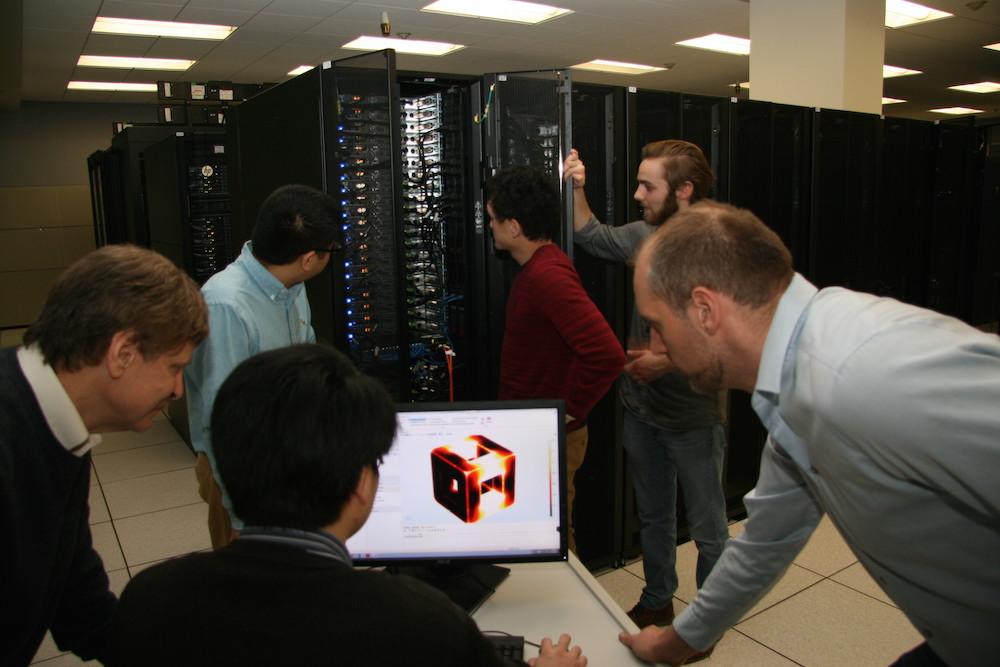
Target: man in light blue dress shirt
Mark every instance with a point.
(882, 415)
(255, 304)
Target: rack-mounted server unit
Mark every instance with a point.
(187, 189)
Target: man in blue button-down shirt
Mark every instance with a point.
(882, 415)
(255, 304)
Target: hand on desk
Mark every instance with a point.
(559, 655)
(657, 644)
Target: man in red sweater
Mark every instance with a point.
(556, 343)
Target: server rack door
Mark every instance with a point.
(705, 123)
(363, 163)
(525, 120)
(599, 135)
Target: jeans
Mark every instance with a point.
(659, 459)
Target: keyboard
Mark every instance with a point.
(510, 647)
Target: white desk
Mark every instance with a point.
(540, 600)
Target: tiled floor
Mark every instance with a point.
(145, 508)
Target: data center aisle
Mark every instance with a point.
(825, 611)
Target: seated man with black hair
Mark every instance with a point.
(298, 434)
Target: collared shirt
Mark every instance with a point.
(885, 416)
(317, 542)
(249, 311)
(61, 414)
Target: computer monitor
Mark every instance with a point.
(466, 486)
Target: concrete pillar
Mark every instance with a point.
(818, 53)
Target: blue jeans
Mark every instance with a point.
(659, 459)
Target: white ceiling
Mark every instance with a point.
(275, 36)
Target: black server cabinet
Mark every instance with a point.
(955, 219)
(187, 190)
(907, 185)
(847, 235)
(118, 185)
(704, 121)
(986, 302)
(335, 128)
(362, 134)
(769, 169)
(107, 198)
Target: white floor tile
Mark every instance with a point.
(151, 493)
(143, 461)
(160, 432)
(795, 580)
(158, 535)
(826, 552)
(106, 545)
(63, 660)
(831, 625)
(98, 508)
(857, 577)
(47, 650)
(738, 650)
(623, 587)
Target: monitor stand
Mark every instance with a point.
(467, 585)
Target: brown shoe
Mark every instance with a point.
(642, 616)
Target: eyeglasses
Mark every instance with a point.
(334, 248)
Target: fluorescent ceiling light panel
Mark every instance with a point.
(301, 69)
(616, 67)
(134, 63)
(119, 26)
(106, 85)
(899, 13)
(981, 87)
(721, 43)
(995, 47)
(744, 84)
(414, 46)
(498, 10)
(891, 100)
(956, 111)
(889, 71)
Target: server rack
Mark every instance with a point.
(418, 255)
(187, 190)
(118, 185)
(955, 218)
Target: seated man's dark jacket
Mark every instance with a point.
(258, 603)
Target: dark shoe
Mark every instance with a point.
(643, 617)
(700, 655)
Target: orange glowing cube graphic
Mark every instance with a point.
(473, 479)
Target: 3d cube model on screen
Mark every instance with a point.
(473, 479)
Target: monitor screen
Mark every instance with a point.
(474, 481)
